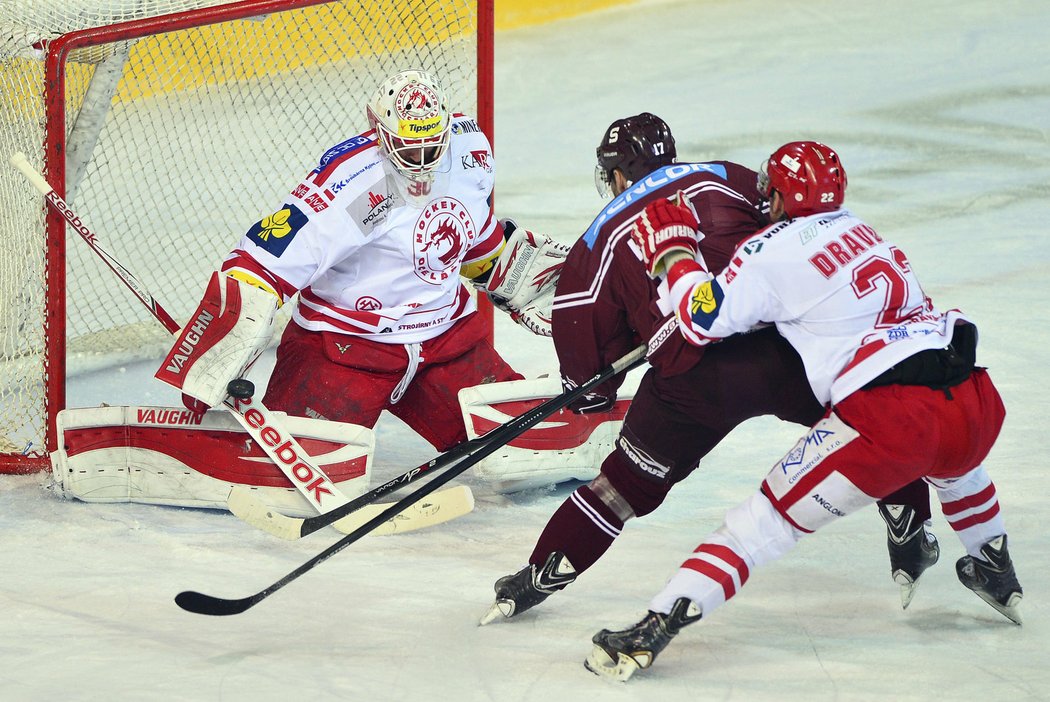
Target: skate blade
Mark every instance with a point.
(907, 593)
(601, 664)
(1010, 610)
(908, 587)
(500, 610)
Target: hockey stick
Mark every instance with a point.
(295, 463)
(256, 513)
(311, 482)
(443, 506)
(200, 603)
(18, 160)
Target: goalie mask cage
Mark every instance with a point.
(170, 126)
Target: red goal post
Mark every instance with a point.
(170, 126)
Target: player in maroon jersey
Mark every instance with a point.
(691, 397)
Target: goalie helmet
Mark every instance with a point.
(410, 115)
(808, 175)
(637, 146)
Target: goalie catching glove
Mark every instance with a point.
(229, 330)
(666, 233)
(523, 279)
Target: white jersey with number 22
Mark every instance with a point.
(847, 301)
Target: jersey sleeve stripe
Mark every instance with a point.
(241, 260)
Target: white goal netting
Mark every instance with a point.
(174, 144)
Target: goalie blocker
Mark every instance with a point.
(567, 446)
(224, 337)
(172, 456)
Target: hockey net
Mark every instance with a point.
(170, 126)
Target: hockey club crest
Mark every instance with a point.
(418, 111)
(442, 235)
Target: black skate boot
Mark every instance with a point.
(618, 654)
(912, 548)
(993, 579)
(528, 587)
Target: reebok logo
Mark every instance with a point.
(284, 453)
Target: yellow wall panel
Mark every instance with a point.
(512, 14)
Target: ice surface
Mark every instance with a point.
(939, 111)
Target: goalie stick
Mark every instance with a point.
(255, 512)
(311, 482)
(200, 603)
(441, 507)
(19, 161)
(308, 479)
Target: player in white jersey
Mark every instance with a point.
(905, 400)
(376, 241)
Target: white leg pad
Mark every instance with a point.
(165, 456)
(565, 446)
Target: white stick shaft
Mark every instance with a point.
(282, 448)
(18, 160)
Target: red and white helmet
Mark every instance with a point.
(410, 114)
(808, 176)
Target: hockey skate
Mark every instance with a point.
(521, 591)
(993, 578)
(912, 548)
(618, 654)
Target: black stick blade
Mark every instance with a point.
(199, 603)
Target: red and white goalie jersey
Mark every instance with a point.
(366, 259)
(845, 299)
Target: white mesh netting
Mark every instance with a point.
(176, 143)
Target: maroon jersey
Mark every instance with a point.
(606, 303)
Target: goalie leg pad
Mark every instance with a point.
(566, 446)
(171, 456)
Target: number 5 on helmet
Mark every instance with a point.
(666, 231)
(229, 330)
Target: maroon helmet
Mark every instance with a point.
(808, 175)
(637, 146)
